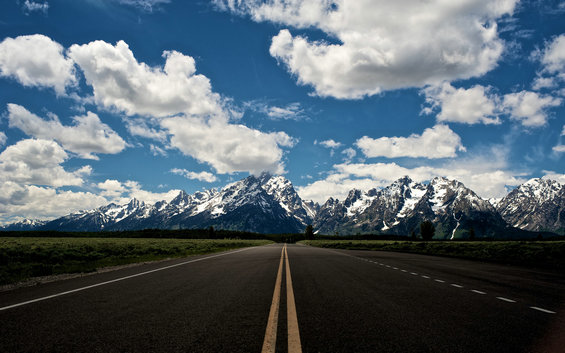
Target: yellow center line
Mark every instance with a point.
(270, 341)
(292, 320)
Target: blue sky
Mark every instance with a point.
(105, 100)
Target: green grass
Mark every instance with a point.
(23, 258)
(543, 254)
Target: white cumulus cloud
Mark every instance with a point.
(36, 61)
(34, 161)
(487, 173)
(120, 82)
(122, 192)
(479, 105)
(86, 137)
(529, 108)
(3, 138)
(553, 58)
(227, 147)
(470, 106)
(35, 202)
(381, 45)
(329, 144)
(201, 176)
(180, 108)
(436, 142)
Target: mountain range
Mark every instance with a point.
(270, 204)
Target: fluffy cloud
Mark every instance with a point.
(529, 108)
(202, 176)
(470, 106)
(183, 110)
(120, 82)
(329, 144)
(227, 147)
(3, 138)
(553, 58)
(36, 61)
(382, 45)
(30, 6)
(34, 202)
(38, 162)
(87, 136)
(487, 174)
(122, 193)
(436, 142)
(479, 105)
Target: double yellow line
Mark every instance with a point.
(270, 341)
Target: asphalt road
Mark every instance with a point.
(345, 301)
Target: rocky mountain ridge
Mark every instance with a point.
(270, 204)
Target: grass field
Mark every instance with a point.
(543, 254)
(23, 258)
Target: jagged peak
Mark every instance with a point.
(135, 203)
(542, 182)
(405, 180)
(440, 180)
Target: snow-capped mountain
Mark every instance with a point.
(25, 224)
(401, 207)
(270, 204)
(265, 204)
(537, 205)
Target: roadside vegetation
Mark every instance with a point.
(25, 257)
(543, 254)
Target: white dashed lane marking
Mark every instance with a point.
(542, 310)
(506, 300)
(476, 291)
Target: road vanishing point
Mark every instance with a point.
(292, 298)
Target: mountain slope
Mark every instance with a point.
(270, 204)
(400, 208)
(537, 205)
(264, 204)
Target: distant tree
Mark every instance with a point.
(472, 233)
(413, 235)
(427, 230)
(540, 237)
(309, 232)
(211, 232)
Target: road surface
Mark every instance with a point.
(292, 298)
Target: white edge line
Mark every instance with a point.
(439, 280)
(477, 291)
(542, 310)
(116, 280)
(456, 285)
(506, 300)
